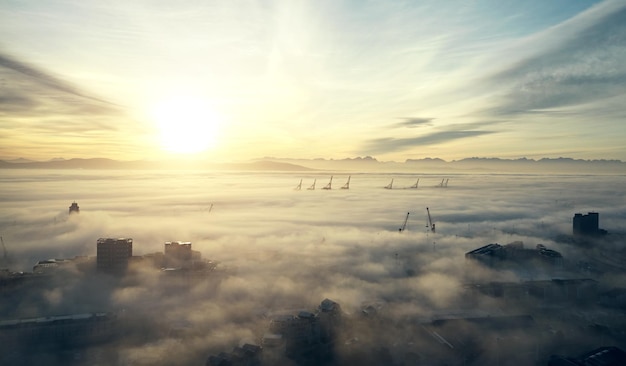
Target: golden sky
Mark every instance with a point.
(307, 79)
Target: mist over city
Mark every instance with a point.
(313, 183)
(279, 250)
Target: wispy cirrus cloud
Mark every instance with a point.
(394, 144)
(584, 65)
(40, 106)
(41, 78)
(412, 122)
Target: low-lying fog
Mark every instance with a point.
(293, 248)
(236, 217)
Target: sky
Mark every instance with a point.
(292, 249)
(238, 80)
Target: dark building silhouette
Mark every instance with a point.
(113, 255)
(537, 292)
(587, 224)
(246, 355)
(69, 330)
(308, 337)
(603, 356)
(74, 208)
(492, 254)
(178, 254)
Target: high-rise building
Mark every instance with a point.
(586, 224)
(178, 254)
(113, 254)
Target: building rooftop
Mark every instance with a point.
(52, 319)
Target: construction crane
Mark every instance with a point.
(5, 256)
(299, 186)
(329, 185)
(430, 225)
(414, 186)
(390, 185)
(347, 185)
(403, 227)
(312, 187)
(443, 184)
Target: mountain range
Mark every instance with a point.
(358, 164)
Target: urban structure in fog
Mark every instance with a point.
(113, 254)
(584, 308)
(588, 224)
(76, 329)
(603, 356)
(306, 337)
(178, 254)
(74, 209)
(492, 254)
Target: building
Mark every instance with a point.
(587, 224)
(487, 254)
(74, 330)
(603, 356)
(178, 254)
(576, 291)
(113, 255)
(246, 355)
(74, 208)
(492, 254)
(49, 265)
(308, 337)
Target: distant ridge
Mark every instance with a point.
(103, 163)
(467, 165)
(363, 164)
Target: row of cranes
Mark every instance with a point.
(414, 186)
(430, 224)
(326, 187)
(443, 184)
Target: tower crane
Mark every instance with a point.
(430, 225)
(5, 256)
(329, 185)
(347, 185)
(312, 187)
(403, 227)
(299, 186)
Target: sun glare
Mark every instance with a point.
(187, 125)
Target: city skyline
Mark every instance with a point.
(243, 80)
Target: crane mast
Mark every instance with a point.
(347, 185)
(403, 227)
(5, 256)
(329, 185)
(430, 225)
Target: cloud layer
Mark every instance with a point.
(291, 248)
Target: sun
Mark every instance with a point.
(186, 124)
